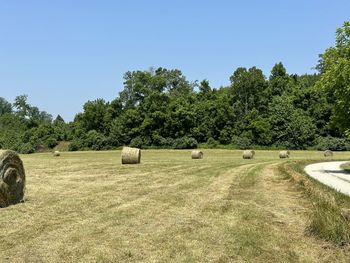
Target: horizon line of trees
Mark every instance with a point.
(161, 108)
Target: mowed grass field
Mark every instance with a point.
(87, 207)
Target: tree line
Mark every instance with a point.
(161, 108)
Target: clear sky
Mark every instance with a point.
(62, 53)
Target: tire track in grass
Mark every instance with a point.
(264, 217)
(220, 186)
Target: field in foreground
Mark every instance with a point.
(87, 207)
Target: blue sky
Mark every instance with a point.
(64, 53)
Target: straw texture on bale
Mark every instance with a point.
(12, 178)
(284, 154)
(56, 153)
(131, 155)
(328, 153)
(248, 154)
(197, 154)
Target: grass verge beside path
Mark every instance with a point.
(329, 217)
(346, 167)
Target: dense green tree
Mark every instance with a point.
(21, 106)
(5, 106)
(93, 116)
(204, 87)
(260, 129)
(114, 109)
(335, 78)
(279, 80)
(62, 130)
(58, 120)
(30, 114)
(125, 127)
(11, 130)
(136, 88)
(249, 89)
(290, 127)
(317, 104)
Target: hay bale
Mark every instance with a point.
(248, 154)
(131, 155)
(56, 153)
(284, 154)
(12, 178)
(328, 153)
(197, 154)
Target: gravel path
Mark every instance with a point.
(330, 173)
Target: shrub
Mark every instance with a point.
(136, 142)
(157, 140)
(39, 147)
(167, 142)
(51, 142)
(225, 136)
(241, 142)
(146, 140)
(93, 140)
(185, 143)
(26, 148)
(191, 143)
(179, 143)
(287, 145)
(212, 143)
(75, 146)
(101, 143)
(332, 143)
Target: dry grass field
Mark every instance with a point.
(87, 207)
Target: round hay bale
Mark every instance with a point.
(12, 178)
(131, 155)
(56, 153)
(284, 154)
(328, 153)
(197, 154)
(248, 154)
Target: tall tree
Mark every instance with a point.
(336, 77)
(93, 117)
(5, 106)
(22, 106)
(278, 80)
(249, 88)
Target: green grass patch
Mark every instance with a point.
(326, 217)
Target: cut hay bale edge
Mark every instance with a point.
(327, 153)
(284, 154)
(131, 155)
(12, 178)
(197, 154)
(248, 154)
